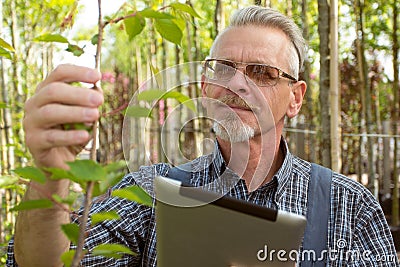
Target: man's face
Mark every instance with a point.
(250, 109)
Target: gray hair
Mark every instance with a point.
(267, 17)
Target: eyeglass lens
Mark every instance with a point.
(224, 70)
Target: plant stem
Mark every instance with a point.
(116, 111)
(93, 155)
(82, 226)
(114, 21)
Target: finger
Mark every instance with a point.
(67, 94)
(57, 138)
(68, 73)
(52, 115)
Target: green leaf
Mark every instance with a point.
(102, 187)
(154, 69)
(103, 216)
(95, 39)
(31, 173)
(33, 204)
(185, 8)
(3, 105)
(181, 23)
(71, 230)
(7, 180)
(138, 112)
(169, 30)
(111, 250)
(75, 50)
(151, 13)
(181, 98)
(87, 170)
(115, 166)
(156, 94)
(77, 126)
(112, 179)
(69, 200)
(115, 172)
(134, 193)
(96, 189)
(54, 38)
(67, 257)
(158, 78)
(134, 25)
(5, 53)
(151, 95)
(6, 45)
(58, 173)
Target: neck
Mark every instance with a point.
(257, 160)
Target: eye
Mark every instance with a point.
(263, 72)
(223, 68)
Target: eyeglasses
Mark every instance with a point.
(260, 74)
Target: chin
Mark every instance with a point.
(233, 133)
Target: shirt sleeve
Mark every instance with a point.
(135, 229)
(372, 238)
(130, 230)
(360, 235)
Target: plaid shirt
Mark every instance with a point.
(358, 234)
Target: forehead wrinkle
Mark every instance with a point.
(260, 51)
(246, 56)
(232, 44)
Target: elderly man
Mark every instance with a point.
(252, 76)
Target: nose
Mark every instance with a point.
(239, 83)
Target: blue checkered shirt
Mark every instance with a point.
(356, 221)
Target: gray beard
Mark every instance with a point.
(232, 129)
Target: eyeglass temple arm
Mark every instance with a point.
(283, 74)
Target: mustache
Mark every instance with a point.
(236, 101)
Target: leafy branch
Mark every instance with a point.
(93, 178)
(90, 185)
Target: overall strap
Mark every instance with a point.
(182, 173)
(318, 211)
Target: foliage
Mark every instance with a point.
(82, 171)
(146, 34)
(92, 177)
(6, 49)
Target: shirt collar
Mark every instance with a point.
(217, 160)
(281, 176)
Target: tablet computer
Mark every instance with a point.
(196, 227)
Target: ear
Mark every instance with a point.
(297, 95)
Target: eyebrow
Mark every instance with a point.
(248, 62)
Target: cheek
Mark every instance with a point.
(276, 103)
(267, 101)
(209, 93)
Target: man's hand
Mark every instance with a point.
(56, 103)
(39, 240)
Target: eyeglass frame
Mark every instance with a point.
(281, 73)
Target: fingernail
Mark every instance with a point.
(93, 75)
(95, 99)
